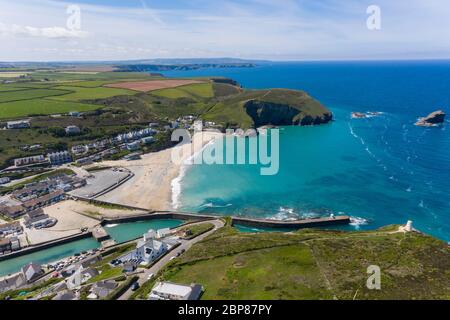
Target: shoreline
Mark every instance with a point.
(156, 184)
(177, 181)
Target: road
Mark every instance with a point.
(185, 245)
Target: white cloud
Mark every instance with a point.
(269, 29)
(46, 32)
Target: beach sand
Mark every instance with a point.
(73, 216)
(151, 187)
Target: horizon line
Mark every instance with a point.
(231, 58)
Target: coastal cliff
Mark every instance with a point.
(276, 107)
(267, 113)
(282, 107)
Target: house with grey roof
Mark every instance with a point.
(7, 229)
(38, 219)
(12, 212)
(12, 283)
(81, 276)
(5, 246)
(103, 288)
(65, 295)
(32, 272)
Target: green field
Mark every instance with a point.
(29, 94)
(9, 88)
(289, 273)
(198, 90)
(313, 264)
(233, 114)
(26, 98)
(80, 93)
(41, 106)
(101, 76)
(91, 84)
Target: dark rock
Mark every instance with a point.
(432, 119)
(267, 113)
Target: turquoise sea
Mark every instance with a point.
(48, 255)
(130, 231)
(380, 170)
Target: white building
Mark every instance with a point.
(40, 159)
(80, 149)
(58, 158)
(198, 125)
(133, 146)
(147, 251)
(22, 124)
(173, 291)
(151, 234)
(150, 250)
(147, 140)
(161, 233)
(80, 276)
(4, 180)
(72, 130)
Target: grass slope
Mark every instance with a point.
(312, 264)
(25, 108)
(197, 90)
(80, 93)
(29, 94)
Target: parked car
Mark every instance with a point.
(134, 286)
(150, 276)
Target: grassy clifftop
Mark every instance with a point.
(312, 264)
(255, 108)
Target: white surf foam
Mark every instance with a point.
(212, 205)
(358, 221)
(177, 182)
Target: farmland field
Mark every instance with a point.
(109, 76)
(151, 85)
(12, 74)
(5, 88)
(40, 106)
(80, 93)
(91, 84)
(7, 96)
(202, 90)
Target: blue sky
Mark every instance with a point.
(36, 30)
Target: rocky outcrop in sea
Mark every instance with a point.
(433, 119)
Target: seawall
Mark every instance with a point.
(297, 224)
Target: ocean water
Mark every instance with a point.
(380, 170)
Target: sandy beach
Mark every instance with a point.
(73, 216)
(151, 187)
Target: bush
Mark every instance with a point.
(57, 132)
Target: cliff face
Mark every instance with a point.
(269, 113)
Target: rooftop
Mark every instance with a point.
(172, 289)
